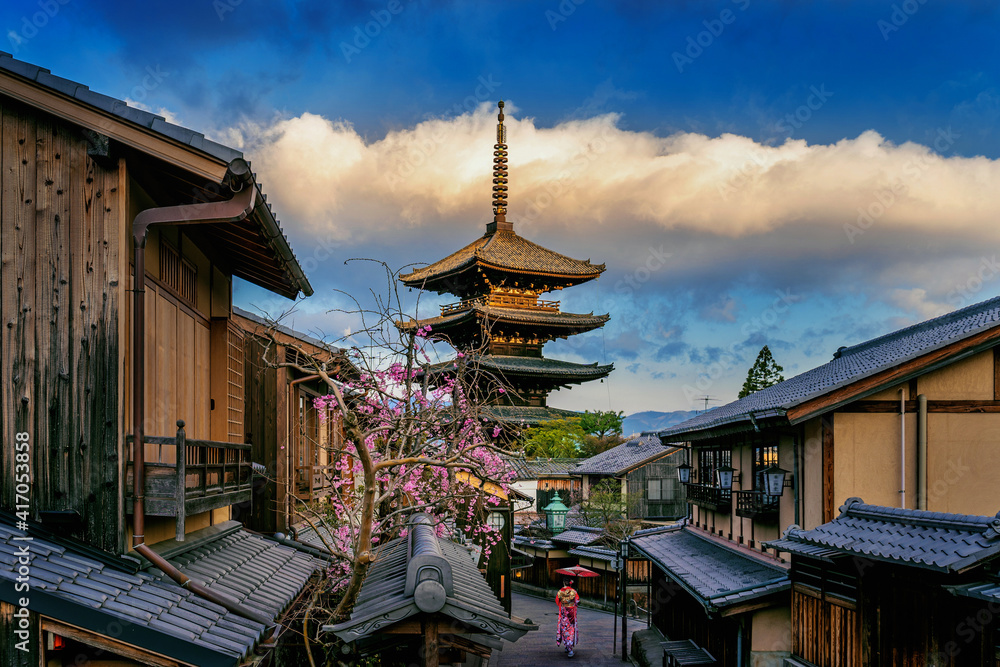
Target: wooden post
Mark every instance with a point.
(430, 642)
(181, 494)
(624, 586)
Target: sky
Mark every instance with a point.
(804, 175)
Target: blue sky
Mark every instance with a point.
(802, 175)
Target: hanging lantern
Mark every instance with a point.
(724, 475)
(774, 481)
(684, 473)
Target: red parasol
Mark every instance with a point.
(577, 571)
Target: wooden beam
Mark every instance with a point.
(828, 499)
(108, 644)
(948, 406)
(431, 644)
(141, 138)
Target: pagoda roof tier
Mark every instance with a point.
(502, 251)
(563, 372)
(516, 322)
(526, 415)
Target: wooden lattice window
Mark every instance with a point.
(234, 384)
(178, 274)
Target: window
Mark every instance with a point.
(654, 489)
(178, 274)
(764, 457)
(709, 460)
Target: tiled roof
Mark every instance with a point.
(572, 322)
(717, 576)
(390, 593)
(596, 553)
(579, 535)
(849, 365)
(525, 414)
(624, 457)
(534, 366)
(533, 542)
(162, 616)
(116, 107)
(931, 540)
(542, 468)
(505, 250)
(981, 590)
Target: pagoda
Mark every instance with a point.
(500, 323)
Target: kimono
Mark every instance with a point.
(566, 600)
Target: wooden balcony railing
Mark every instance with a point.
(756, 505)
(187, 477)
(525, 301)
(709, 497)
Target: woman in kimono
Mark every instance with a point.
(566, 600)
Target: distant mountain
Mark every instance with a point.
(653, 421)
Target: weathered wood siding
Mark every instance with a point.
(672, 503)
(824, 632)
(262, 388)
(61, 224)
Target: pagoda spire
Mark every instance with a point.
(500, 177)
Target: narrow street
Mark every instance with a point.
(539, 648)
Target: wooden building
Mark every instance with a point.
(120, 236)
(424, 599)
(907, 420)
(646, 472)
(500, 322)
(880, 585)
(286, 430)
(541, 479)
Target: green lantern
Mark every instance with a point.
(555, 515)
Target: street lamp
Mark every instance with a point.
(774, 481)
(725, 476)
(555, 515)
(684, 473)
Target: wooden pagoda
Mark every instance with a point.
(500, 323)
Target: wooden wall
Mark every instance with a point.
(63, 263)
(673, 502)
(679, 616)
(815, 621)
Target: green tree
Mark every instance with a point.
(608, 508)
(764, 373)
(602, 431)
(558, 438)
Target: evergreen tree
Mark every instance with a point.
(764, 373)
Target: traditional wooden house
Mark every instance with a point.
(289, 435)
(907, 420)
(500, 323)
(123, 413)
(883, 585)
(646, 472)
(542, 479)
(424, 599)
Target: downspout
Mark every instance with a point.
(921, 452)
(796, 477)
(238, 208)
(902, 447)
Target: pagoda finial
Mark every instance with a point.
(500, 170)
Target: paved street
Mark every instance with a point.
(539, 648)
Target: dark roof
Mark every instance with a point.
(533, 366)
(850, 365)
(542, 468)
(579, 535)
(507, 251)
(305, 338)
(932, 540)
(159, 615)
(423, 573)
(254, 249)
(596, 553)
(533, 542)
(624, 457)
(572, 322)
(981, 590)
(718, 577)
(525, 414)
